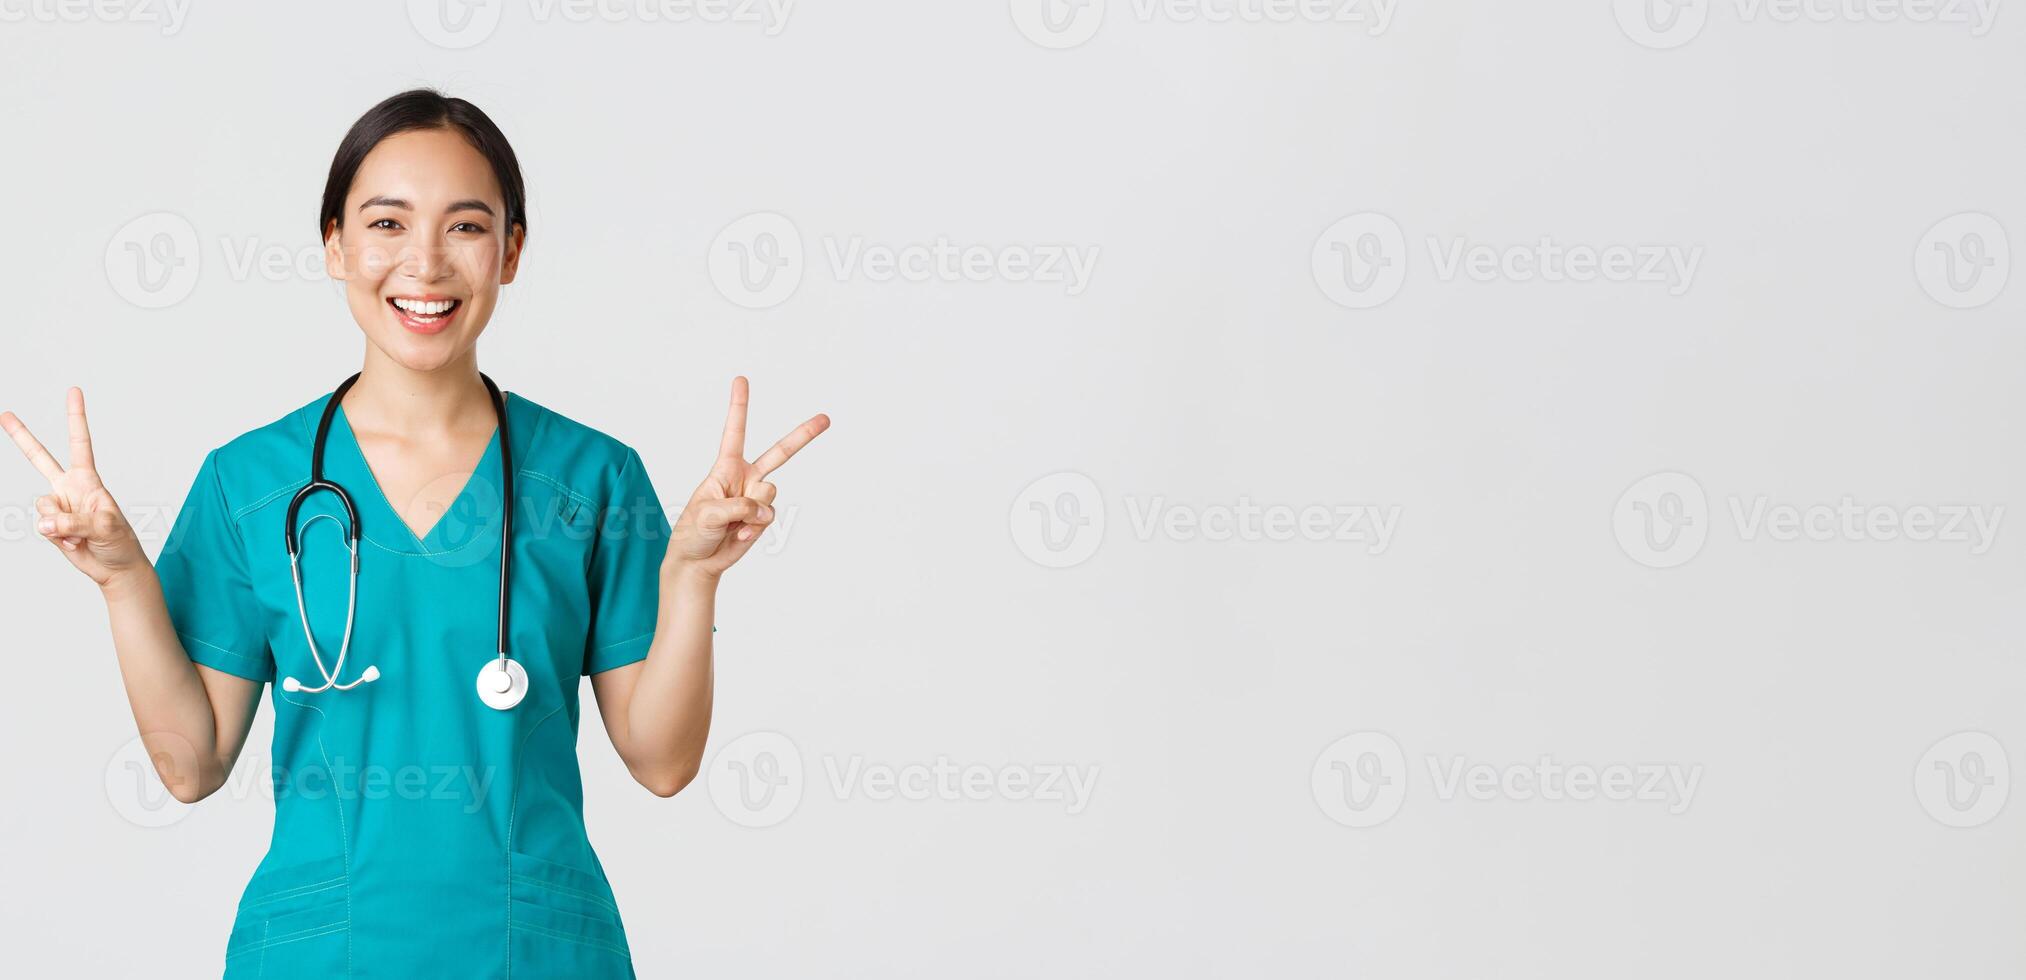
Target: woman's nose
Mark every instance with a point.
(425, 260)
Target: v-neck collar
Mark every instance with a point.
(480, 492)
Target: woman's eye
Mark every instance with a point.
(388, 224)
(468, 227)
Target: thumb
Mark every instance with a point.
(717, 515)
(99, 526)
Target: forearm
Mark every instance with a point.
(171, 706)
(668, 713)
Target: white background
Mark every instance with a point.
(913, 613)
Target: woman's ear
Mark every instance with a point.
(334, 253)
(512, 261)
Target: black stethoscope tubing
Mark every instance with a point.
(352, 530)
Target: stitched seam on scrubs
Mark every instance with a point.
(344, 836)
(581, 940)
(513, 803)
(631, 639)
(286, 938)
(298, 891)
(234, 654)
(266, 499)
(559, 486)
(564, 889)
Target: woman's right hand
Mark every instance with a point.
(78, 516)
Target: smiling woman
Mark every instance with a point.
(427, 187)
(424, 220)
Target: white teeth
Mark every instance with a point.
(431, 308)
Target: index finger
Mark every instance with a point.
(733, 445)
(80, 432)
(30, 447)
(789, 445)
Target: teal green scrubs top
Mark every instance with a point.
(418, 832)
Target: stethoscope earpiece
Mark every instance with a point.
(502, 682)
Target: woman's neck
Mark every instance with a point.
(390, 398)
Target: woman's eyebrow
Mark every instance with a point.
(469, 204)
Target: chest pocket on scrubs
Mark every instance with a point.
(551, 568)
(294, 921)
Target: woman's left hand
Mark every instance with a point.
(735, 503)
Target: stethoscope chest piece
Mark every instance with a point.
(500, 686)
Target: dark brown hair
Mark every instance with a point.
(415, 109)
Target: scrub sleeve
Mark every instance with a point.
(206, 585)
(625, 575)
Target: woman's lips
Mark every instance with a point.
(425, 316)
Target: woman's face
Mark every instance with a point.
(423, 247)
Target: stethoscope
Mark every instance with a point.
(501, 682)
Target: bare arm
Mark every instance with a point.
(658, 711)
(193, 720)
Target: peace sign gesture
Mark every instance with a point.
(735, 502)
(78, 515)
